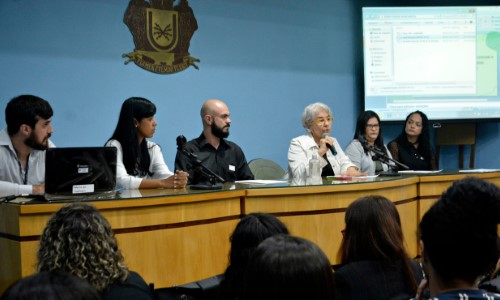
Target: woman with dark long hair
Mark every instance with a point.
(248, 234)
(368, 135)
(413, 146)
(375, 264)
(140, 162)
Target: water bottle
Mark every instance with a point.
(315, 170)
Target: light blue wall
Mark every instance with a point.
(266, 59)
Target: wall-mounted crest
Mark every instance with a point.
(162, 34)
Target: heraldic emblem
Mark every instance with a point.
(162, 33)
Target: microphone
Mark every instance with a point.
(181, 142)
(331, 147)
(377, 151)
(198, 168)
(382, 155)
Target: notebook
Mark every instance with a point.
(77, 173)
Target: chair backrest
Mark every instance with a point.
(266, 169)
(460, 135)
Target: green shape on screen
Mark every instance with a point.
(493, 40)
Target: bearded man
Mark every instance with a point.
(221, 156)
(23, 144)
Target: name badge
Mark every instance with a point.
(232, 168)
(83, 188)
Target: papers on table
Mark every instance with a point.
(344, 177)
(419, 171)
(479, 170)
(257, 182)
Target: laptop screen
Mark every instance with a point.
(79, 171)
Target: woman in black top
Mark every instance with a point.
(412, 147)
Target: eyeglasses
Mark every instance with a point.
(322, 120)
(373, 126)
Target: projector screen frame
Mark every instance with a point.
(436, 121)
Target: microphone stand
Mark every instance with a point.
(199, 168)
(384, 157)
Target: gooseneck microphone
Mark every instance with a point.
(199, 168)
(384, 157)
(331, 147)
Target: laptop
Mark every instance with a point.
(80, 173)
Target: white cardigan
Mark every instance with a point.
(301, 151)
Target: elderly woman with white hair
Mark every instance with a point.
(317, 120)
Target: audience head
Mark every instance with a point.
(248, 234)
(31, 116)
(459, 232)
(80, 241)
(135, 123)
(373, 232)
(54, 285)
(317, 119)
(368, 129)
(215, 117)
(288, 267)
(250, 231)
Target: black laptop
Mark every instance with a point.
(79, 173)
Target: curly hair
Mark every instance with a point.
(80, 241)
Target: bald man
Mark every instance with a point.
(221, 156)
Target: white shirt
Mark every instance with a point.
(157, 166)
(13, 179)
(301, 150)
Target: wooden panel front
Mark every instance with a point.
(168, 240)
(183, 236)
(431, 187)
(317, 212)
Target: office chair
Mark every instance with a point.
(459, 135)
(266, 169)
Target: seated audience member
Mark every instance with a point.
(54, 285)
(317, 120)
(23, 144)
(140, 163)
(375, 264)
(250, 231)
(215, 152)
(368, 134)
(80, 241)
(459, 239)
(413, 146)
(285, 267)
(491, 282)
